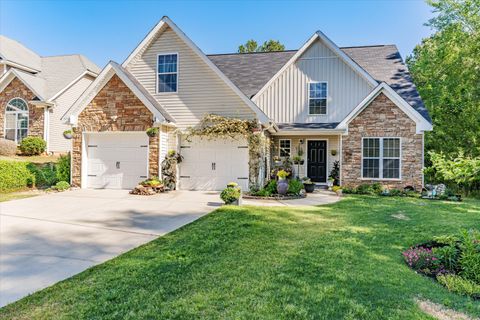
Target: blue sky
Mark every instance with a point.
(110, 30)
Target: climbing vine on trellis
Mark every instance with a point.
(214, 126)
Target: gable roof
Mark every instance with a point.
(14, 51)
(35, 84)
(111, 69)
(166, 21)
(250, 72)
(421, 123)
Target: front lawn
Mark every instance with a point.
(340, 261)
(33, 159)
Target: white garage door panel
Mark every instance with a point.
(116, 160)
(230, 164)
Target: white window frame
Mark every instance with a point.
(16, 113)
(381, 158)
(280, 148)
(158, 73)
(308, 99)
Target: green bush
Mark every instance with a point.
(294, 187)
(469, 260)
(63, 168)
(14, 175)
(447, 255)
(32, 146)
(62, 186)
(45, 174)
(230, 195)
(457, 284)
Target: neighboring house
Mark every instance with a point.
(355, 105)
(36, 91)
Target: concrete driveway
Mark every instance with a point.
(48, 238)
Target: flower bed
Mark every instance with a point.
(275, 197)
(454, 261)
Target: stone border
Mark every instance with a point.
(246, 196)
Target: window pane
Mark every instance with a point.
(167, 63)
(391, 168)
(10, 134)
(22, 133)
(391, 148)
(284, 148)
(371, 147)
(371, 168)
(22, 121)
(10, 120)
(167, 82)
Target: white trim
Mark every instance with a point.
(311, 132)
(68, 86)
(46, 127)
(381, 158)
(332, 46)
(16, 119)
(10, 75)
(279, 147)
(262, 117)
(421, 123)
(340, 142)
(18, 65)
(97, 85)
(177, 72)
(326, 159)
(308, 99)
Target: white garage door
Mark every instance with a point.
(116, 160)
(211, 164)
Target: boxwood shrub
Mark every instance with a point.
(14, 175)
(32, 146)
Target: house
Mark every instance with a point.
(355, 105)
(36, 91)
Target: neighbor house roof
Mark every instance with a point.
(51, 74)
(251, 71)
(303, 126)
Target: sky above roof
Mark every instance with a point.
(110, 30)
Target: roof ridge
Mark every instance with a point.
(62, 55)
(369, 46)
(245, 53)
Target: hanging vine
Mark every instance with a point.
(214, 127)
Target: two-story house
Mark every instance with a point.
(355, 105)
(36, 91)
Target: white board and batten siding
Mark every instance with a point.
(212, 164)
(286, 99)
(200, 90)
(57, 142)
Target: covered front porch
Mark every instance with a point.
(313, 155)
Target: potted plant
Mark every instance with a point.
(333, 152)
(282, 185)
(330, 182)
(232, 194)
(300, 155)
(308, 185)
(297, 159)
(152, 132)
(277, 161)
(68, 134)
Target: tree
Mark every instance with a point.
(267, 46)
(446, 69)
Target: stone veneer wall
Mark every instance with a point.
(382, 118)
(115, 99)
(16, 89)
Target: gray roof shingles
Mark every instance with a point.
(251, 71)
(303, 126)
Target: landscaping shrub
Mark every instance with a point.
(294, 187)
(32, 146)
(447, 256)
(45, 174)
(230, 195)
(7, 147)
(421, 259)
(337, 188)
(457, 284)
(63, 168)
(62, 186)
(14, 175)
(470, 255)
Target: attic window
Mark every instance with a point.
(317, 98)
(167, 73)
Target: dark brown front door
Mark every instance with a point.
(317, 160)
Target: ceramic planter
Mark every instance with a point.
(68, 135)
(282, 187)
(309, 187)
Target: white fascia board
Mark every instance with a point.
(19, 66)
(332, 46)
(312, 132)
(68, 86)
(262, 117)
(421, 123)
(97, 85)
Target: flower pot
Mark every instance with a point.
(309, 187)
(68, 135)
(282, 187)
(302, 162)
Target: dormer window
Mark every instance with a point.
(167, 73)
(317, 98)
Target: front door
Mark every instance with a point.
(317, 160)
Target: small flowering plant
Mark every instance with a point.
(423, 260)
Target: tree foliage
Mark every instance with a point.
(446, 70)
(268, 46)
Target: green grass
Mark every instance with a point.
(341, 261)
(33, 159)
(16, 195)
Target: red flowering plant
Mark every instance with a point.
(423, 260)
